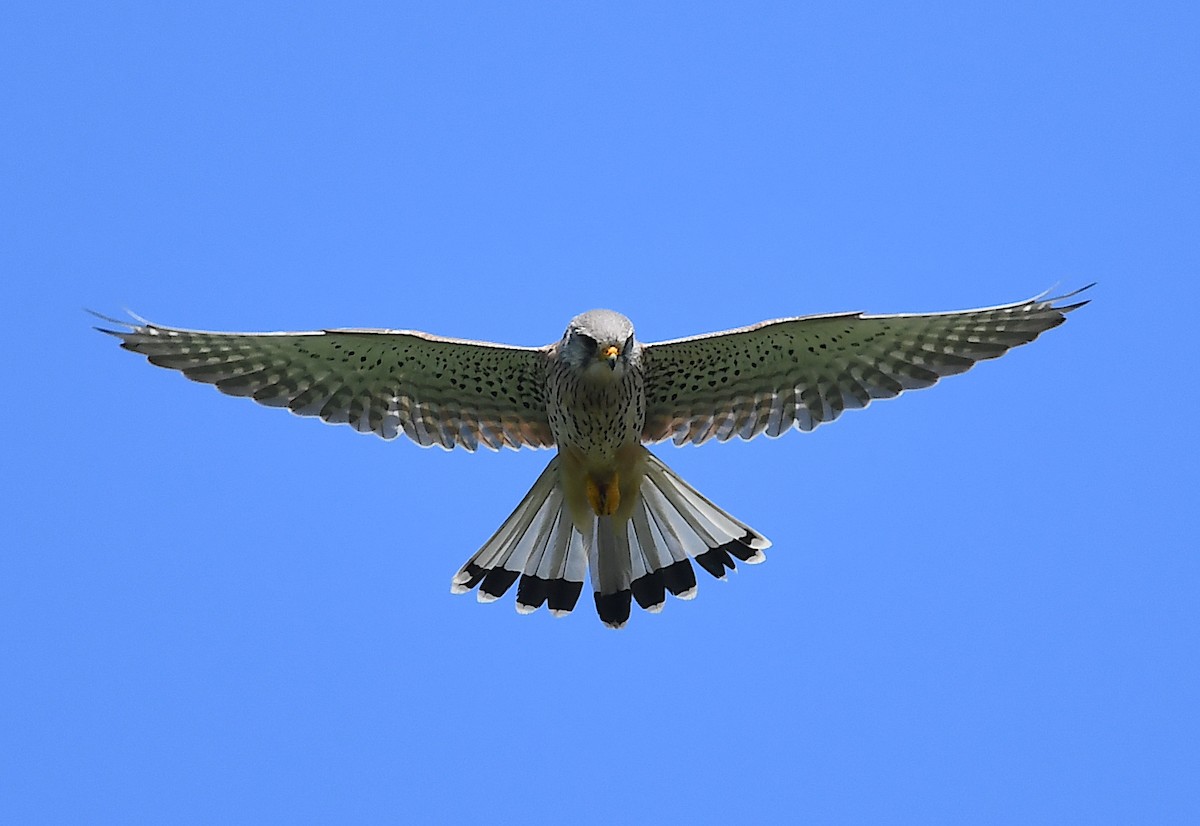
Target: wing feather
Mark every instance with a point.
(803, 372)
(436, 391)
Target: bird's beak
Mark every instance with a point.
(610, 354)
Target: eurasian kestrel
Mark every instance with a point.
(605, 503)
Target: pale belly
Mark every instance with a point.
(598, 428)
(597, 419)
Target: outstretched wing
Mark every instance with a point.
(803, 372)
(437, 391)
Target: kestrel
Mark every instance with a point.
(605, 504)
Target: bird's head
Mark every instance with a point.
(599, 343)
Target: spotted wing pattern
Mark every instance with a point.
(436, 391)
(802, 372)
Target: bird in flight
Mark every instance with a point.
(605, 506)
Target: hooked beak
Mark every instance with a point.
(610, 354)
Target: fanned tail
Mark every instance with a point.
(539, 544)
(639, 559)
(671, 524)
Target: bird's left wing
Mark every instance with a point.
(803, 372)
(436, 391)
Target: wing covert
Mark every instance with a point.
(436, 391)
(802, 372)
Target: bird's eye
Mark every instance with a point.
(588, 342)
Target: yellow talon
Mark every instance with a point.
(604, 500)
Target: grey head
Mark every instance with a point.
(599, 339)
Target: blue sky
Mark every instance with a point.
(982, 602)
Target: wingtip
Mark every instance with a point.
(110, 320)
(138, 321)
(1054, 300)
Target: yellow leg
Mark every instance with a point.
(604, 497)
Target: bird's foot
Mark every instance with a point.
(604, 496)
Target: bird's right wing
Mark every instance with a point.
(436, 391)
(802, 372)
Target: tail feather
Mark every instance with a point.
(640, 558)
(524, 550)
(526, 541)
(555, 576)
(611, 563)
(567, 571)
(655, 567)
(541, 568)
(699, 511)
(496, 551)
(538, 545)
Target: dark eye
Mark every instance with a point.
(588, 342)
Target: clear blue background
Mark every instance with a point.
(983, 600)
